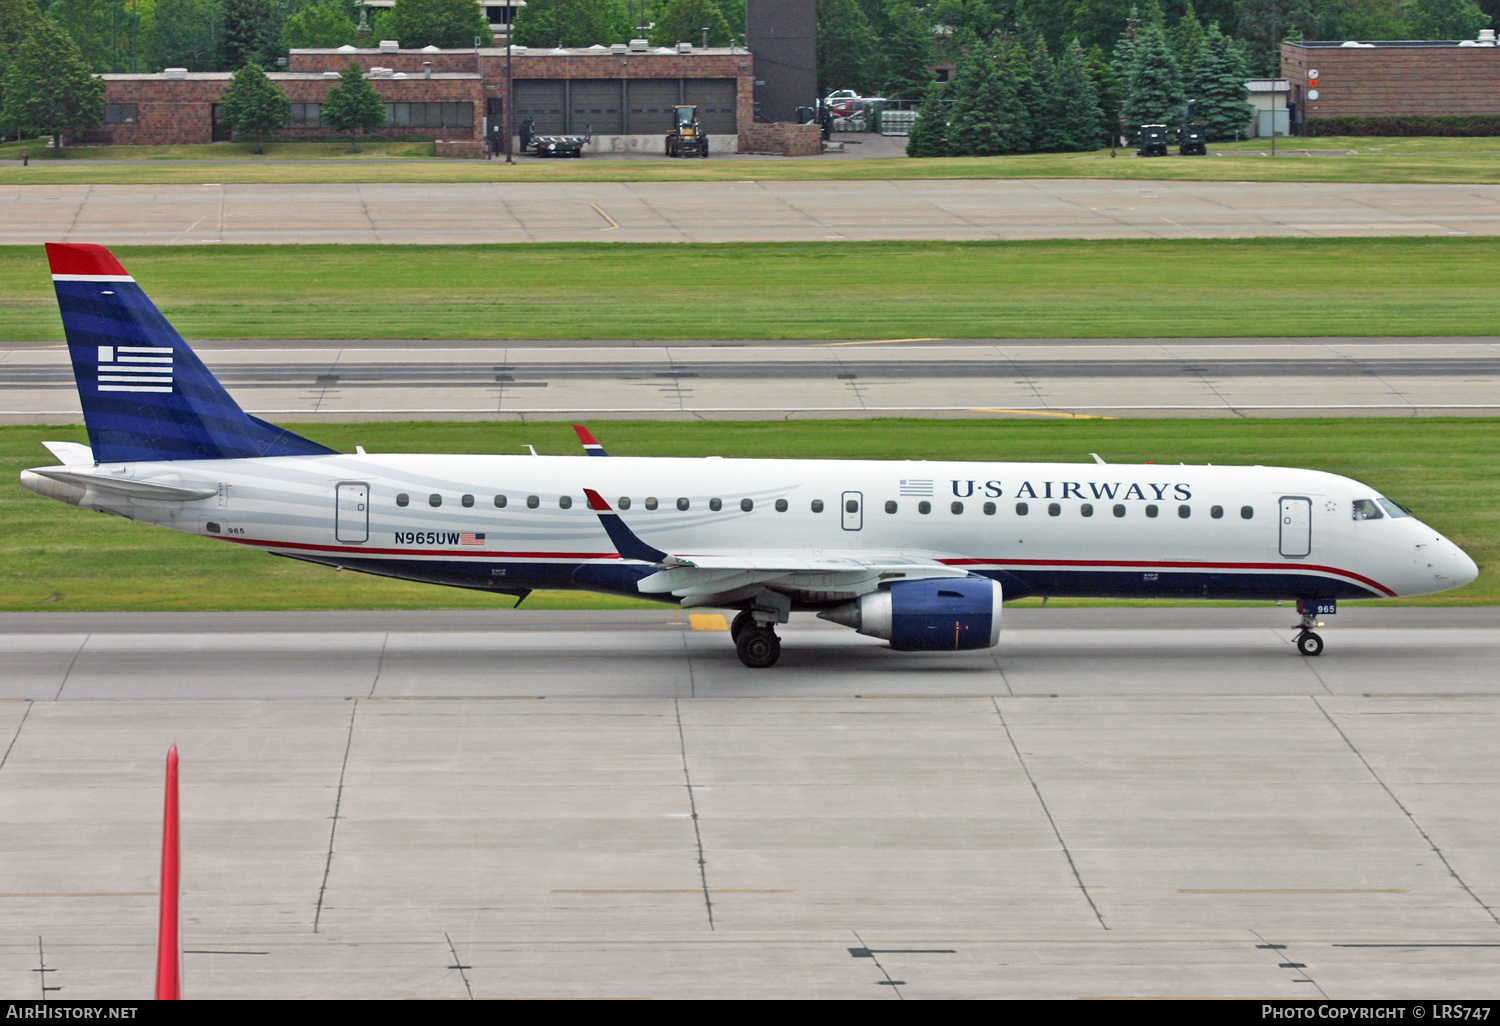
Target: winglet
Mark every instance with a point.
(590, 443)
(624, 539)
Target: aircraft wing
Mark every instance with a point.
(715, 580)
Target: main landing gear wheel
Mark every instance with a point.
(758, 647)
(1309, 644)
(739, 624)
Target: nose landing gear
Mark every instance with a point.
(1309, 643)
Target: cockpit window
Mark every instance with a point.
(1392, 509)
(1366, 509)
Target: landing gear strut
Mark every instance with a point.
(1307, 642)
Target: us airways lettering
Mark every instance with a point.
(427, 538)
(1076, 490)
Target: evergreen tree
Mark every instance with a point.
(17, 19)
(848, 52)
(1263, 24)
(252, 33)
(48, 87)
(254, 106)
(1153, 92)
(986, 118)
(683, 21)
(101, 28)
(1073, 120)
(319, 25)
(1096, 22)
(1187, 37)
(1030, 75)
(1218, 82)
(1446, 19)
(353, 105)
(909, 54)
(976, 16)
(929, 135)
(184, 34)
(1107, 87)
(446, 23)
(548, 23)
(1124, 52)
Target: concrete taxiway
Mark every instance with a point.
(1138, 802)
(736, 211)
(354, 381)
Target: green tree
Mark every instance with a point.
(1446, 19)
(683, 21)
(104, 30)
(907, 51)
(251, 33)
(1153, 92)
(1186, 37)
(848, 52)
(17, 19)
(1124, 51)
(1073, 120)
(929, 135)
(1362, 19)
(318, 25)
(254, 106)
(353, 105)
(1107, 86)
(1218, 85)
(987, 117)
(48, 87)
(1096, 22)
(547, 23)
(445, 23)
(184, 34)
(1263, 24)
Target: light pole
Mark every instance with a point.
(509, 89)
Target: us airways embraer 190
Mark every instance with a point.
(920, 554)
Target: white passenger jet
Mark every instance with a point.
(920, 554)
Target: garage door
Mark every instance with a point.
(715, 99)
(542, 100)
(596, 102)
(651, 102)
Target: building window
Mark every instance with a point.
(121, 114)
(429, 115)
(306, 115)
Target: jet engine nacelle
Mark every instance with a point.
(940, 614)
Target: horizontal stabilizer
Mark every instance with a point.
(169, 488)
(71, 454)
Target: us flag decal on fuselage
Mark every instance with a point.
(468, 538)
(135, 368)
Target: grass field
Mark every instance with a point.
(1334, 159)
(838, 290)
(54, 556)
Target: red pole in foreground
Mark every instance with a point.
(168, 944)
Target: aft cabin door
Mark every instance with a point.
(854, 516)
(352, 523)
(1296, 526)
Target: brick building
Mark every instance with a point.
(1401, 78)
(625, 96)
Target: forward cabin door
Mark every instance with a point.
(352, 523)
(1296, 526)
(853, 507)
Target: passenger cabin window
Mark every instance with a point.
(1395, 510)
(532, 502)
(467, 500)
(957, 507)
(716, 504)
(890, 505)
(1246, 512)
(989, 509)
(1054, 509)
(500, 501)
(747, 504)
(1151, 510)
(1022, 509)
(1087, 509)
(402, 499)
(781, 505)
(924, 507)
(1217, 512)
(817, 505)
(624, 502)
(683, 504)
(1119, 509)
(434, 499)
(1367, 509)
(651, 502)
(565, 502)
(851, 506)
(1184, 511)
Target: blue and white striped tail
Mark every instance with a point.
(145, 394)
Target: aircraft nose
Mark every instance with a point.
(1465, 569)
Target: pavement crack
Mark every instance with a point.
(42, 970)
(692, 675)
(385, 640)
(867, 952)
(1408, 814)
(17, 734)
(1073, 866)
(693, 809)
(333, 830)
(458, 964)
(1283, 962)
(69, 671)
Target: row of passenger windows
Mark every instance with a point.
(924, 507)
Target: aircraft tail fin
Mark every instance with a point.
(145, 393)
